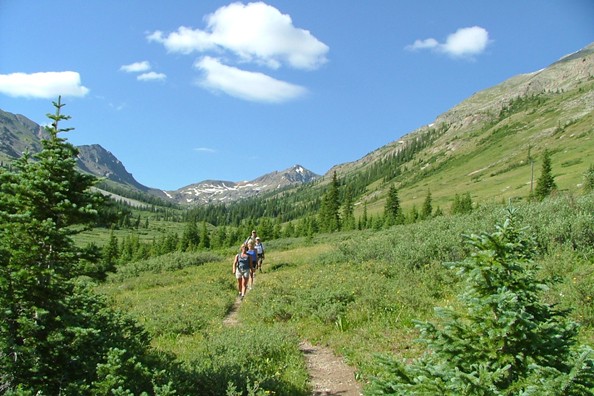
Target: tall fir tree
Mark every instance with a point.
(348, 210)
(392, 209)
(330, 209)
(427, 208)
(54, 333)
(545, 184)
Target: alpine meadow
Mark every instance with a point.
(457, 260)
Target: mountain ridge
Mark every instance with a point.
(485, 141)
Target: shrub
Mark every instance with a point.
(506, 341)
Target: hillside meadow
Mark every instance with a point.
(357, 292)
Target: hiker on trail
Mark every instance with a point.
(252, 252)
(251, 238)
(260, 251)
(242, 268)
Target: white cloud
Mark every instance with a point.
(255, 32)
(423, 44)
(136, 67)
(43, 85)
(151, 76)
(246, 85)
(205, 150)
(464, 43)
(467, 41)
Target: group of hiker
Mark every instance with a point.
(247, 262)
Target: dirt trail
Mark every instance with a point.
(329, 375)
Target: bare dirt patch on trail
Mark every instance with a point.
(231, 318)
(329, 375)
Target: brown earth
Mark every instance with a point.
(329, 374)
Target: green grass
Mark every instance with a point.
(358, 293)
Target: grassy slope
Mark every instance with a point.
(357, 292)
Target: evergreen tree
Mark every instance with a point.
(204, 237)
(54, 332)
(545, 184)
(111, 253)
(462, 204)
(413, 215)
(190, 239)
(348, 210)
(427, 208)
(392, 209)
(329, 212)
(502, 340)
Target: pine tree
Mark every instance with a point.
(329, 210)
(348, 210)
(427, 208)
(392, 209)
(204, 237)
(545, 184)
(54, 332)
(503, 340)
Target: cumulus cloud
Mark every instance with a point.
(136, 67)
(151, 76)
(465, 42)
(43, 85)
(244, 84)
(254, 32)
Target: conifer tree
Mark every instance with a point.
(348, 209)
(329, 210)
(503, 340)
(427, 208)
(204, 237)
(545, 184)
(54, 332)
(392, 209)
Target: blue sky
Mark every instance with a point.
(184, 91)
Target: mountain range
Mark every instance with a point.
(487, 146)
(18, 133)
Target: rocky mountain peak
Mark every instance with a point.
(218, 191)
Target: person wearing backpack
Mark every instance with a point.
(254, 255)
(260, 252)
(242, 268)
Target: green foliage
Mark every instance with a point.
(462, 204)
(168, 262)
(329, 211)
(392, 209)
(356, 292)
(427, 209)
(506, 341)
(54, 334)
(545, 184)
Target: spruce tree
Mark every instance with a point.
(54, 333)
(329, 211)
(204, 237)
(427, 208)
(392, 209)
(503, 340)
(545, 184)
(348, 210)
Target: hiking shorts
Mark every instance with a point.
(239, 274)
